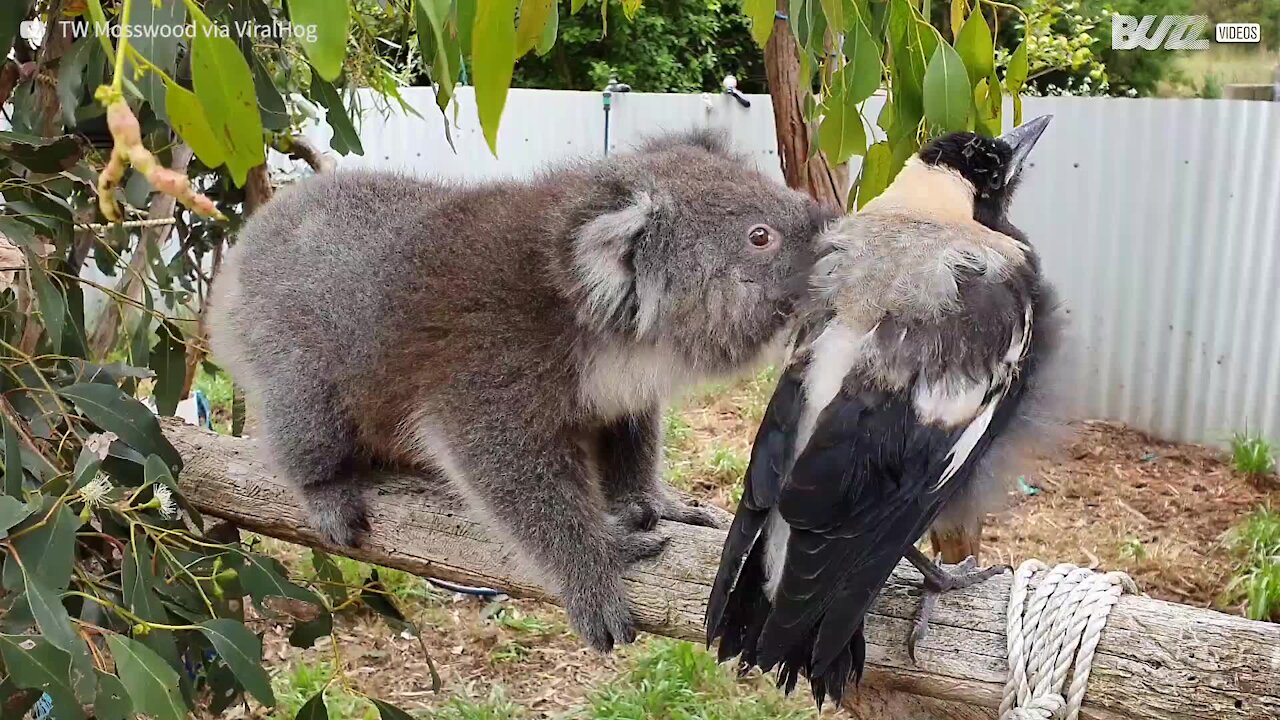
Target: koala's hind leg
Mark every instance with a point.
(545, 497)
(631, 468)
(311, 441)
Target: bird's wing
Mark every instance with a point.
(771, 456)
(881, 463)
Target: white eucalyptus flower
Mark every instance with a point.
(94, 493)
(168, 506)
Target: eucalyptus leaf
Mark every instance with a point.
(12, 512)
(275, 114)
(153, 685)
(841, 135)
(139, 581)
(874, 177)
(861, 75)
(493, 57)
(550, 32)
(1016, 74)
(157, 28)
(224, 84)
(33, 662)
(958, 10)
(264, 577)
(168, 360)
(71, 81)
(41, 154)
(975, 47)
(12, 13)
(533, 18)
(947, 94)
(47, 551)
(387, 711)
(190, 121)
(241, 650)
(838, 14)
(761, 14)
(346, 139)
(50, 300)
(331, 20)
(313, 709)
(13, 465)
(432, 17)
(112, 701)
(130, 420)
(914, 42)
(51, 616)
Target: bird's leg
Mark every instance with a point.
(939, 580)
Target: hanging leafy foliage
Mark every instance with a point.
(114, 599)
(932, 83)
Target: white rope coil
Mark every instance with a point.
(1054, 637)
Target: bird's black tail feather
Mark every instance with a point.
(741, 620)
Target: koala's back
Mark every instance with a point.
(381, 289)
(296, 289)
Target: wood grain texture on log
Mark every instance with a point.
(1155, 660)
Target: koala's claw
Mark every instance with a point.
(696, 515)
(642, 512)
(638, 513)
(339, 513)
(601, 616)
(638, 546)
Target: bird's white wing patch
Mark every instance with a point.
(1003, 374)
(835, 352)
(949, 402)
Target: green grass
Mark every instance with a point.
(1251, 455)
(217, 387)
(1257, 579)
(523, 624)
(302, 681)
(1133, 548)
(495, 707)
(727, 465)
(404, 587)
(675, 680)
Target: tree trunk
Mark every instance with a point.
(1155, 660)
(804, 167)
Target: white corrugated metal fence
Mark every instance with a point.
(1158, 220)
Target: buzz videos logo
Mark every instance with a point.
(1176, 32)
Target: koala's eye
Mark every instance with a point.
(761, 236)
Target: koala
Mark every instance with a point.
(518, 339)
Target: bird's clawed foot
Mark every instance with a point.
(938, 579)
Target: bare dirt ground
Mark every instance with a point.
(1118, 500)
(1122, 500)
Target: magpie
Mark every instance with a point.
(912, 363)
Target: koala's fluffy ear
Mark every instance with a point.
(606, 230)
(713, 141)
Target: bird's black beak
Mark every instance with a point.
(1021, 139)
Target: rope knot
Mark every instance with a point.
(1052, 636)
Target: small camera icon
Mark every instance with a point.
(31, 30)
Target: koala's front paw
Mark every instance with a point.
(642, 511)
(338, 512)
(600, 613)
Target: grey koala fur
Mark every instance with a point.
(519, 338)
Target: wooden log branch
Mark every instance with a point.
(1155, 660)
